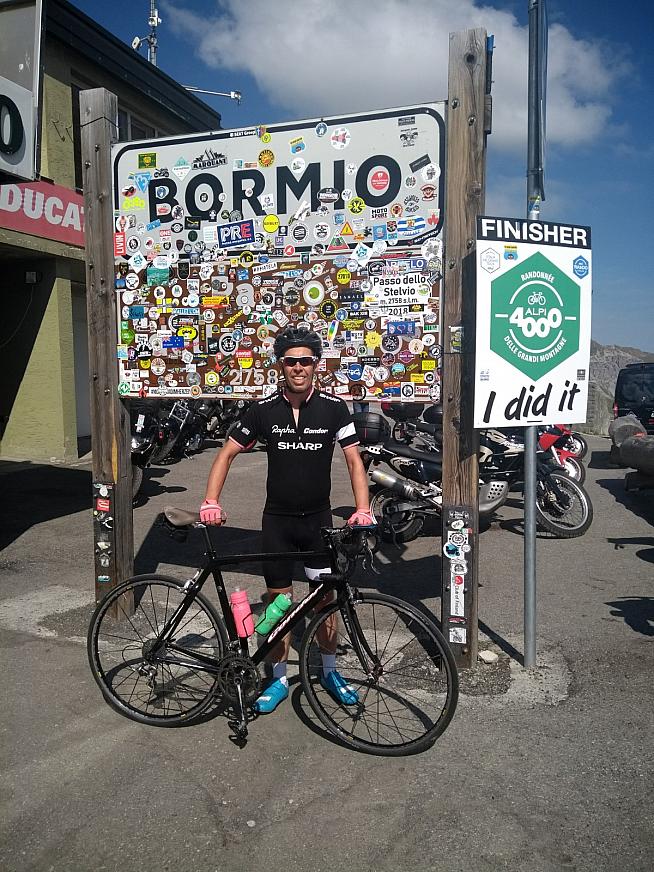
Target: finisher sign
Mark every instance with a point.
(533, 322)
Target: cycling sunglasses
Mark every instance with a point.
(303, 361)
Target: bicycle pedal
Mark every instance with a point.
(239, 733)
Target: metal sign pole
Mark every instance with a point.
(535, 193)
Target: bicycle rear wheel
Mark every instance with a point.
(403, 695)
(168, 686)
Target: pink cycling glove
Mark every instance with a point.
(211, 513)
(361, 519)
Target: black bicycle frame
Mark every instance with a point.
(194, 586)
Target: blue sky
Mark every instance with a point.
(296, 59)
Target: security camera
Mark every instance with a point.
(154, 20)
(136, 43)
(235, 95)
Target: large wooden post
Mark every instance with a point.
(112, 471)
(467, 112)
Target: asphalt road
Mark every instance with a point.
(540, 770)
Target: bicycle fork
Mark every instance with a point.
(359, 642)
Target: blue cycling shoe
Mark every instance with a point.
(338, 688)
(271, 697)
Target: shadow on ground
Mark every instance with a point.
(641, 503)
(601, 460)
(33, 493)
(154, 486)
(646, 554)
(636, 611)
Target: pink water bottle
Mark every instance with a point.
(242, 613)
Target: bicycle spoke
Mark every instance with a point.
(405, 699)
(144, 677)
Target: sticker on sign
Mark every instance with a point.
(236, 235)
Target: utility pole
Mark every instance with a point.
(112, 470)
(468, 121)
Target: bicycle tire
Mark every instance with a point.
(410, 634)
(550, 514)
(405, 525)
(178, 693)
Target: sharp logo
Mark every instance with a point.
(299, 446)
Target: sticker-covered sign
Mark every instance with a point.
(533, 322)
(223, 239)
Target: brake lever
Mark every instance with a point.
(368, 561)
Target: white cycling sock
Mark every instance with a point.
(328, 663)
(279, 672)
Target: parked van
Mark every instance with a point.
(634, 393)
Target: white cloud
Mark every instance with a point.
(319, 58)
(506, 193)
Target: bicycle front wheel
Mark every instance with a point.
(401, 684)
(163, 685)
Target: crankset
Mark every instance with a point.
(240, 684)
(238, 679)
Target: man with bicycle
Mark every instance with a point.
(300, 426)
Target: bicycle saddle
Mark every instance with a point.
(180, 517)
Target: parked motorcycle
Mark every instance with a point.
(404, 501)
(550, 451)
(426, 433)
(165, 431)
(405, 416)
(225, 416)
(562, 505)
(570, 440)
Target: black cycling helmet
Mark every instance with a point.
(297, 337)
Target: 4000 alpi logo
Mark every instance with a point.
(534, 316)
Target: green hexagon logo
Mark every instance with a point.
(534, 316)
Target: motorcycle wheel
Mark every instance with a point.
(137, 480)
(574, 469)
(578, 445)
(405, 525)
(563, 507)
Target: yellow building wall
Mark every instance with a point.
(42, 425)
(42, 421)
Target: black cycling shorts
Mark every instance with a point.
(293, 533)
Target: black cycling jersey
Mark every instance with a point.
(299, 456)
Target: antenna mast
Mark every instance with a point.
(154, 21)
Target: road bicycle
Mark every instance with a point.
(162, 653)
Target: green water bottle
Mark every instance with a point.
(275, 611)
